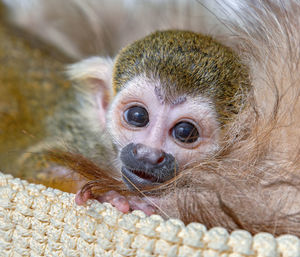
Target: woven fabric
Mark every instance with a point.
(40, 221)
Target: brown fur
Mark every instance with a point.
(253, 182)
(26, 73)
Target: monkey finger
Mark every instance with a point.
(81, 198)
(116, 200)
(137, 203)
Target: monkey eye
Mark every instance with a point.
(136, 116)
(185, 132)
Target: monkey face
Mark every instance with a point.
(157, 135)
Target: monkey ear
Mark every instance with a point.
(94, 75)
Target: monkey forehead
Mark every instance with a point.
(142, 89)
(142, 86)
(186, 63)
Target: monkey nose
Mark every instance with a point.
(148, 154)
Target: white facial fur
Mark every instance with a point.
(162, 118)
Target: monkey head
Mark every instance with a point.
(172, 91)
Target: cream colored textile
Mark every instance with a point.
(40, 221)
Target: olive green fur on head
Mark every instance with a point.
(187, 63)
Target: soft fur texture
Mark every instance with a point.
(253, 181)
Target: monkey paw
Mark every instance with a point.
(122, 203)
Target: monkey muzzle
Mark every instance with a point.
(144, 166)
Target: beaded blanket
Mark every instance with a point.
(40, 221)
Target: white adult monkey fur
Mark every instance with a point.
(253, 181)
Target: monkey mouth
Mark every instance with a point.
(138, 178)
(143, 175)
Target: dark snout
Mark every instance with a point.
(146, 166)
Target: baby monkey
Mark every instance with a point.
(173, 92)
